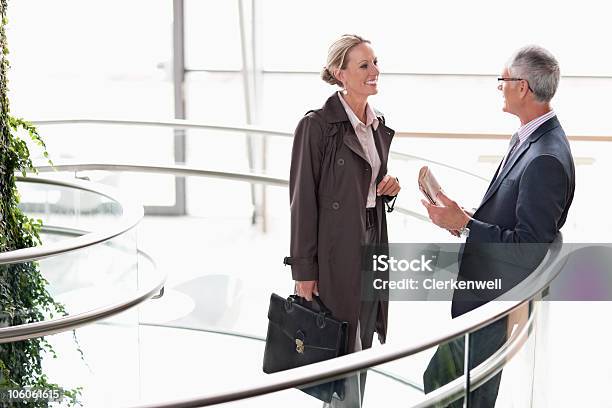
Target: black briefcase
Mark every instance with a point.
(301, 333)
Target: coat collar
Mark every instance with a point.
(544, 128)
(334, 113)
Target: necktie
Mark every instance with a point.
(512, 146)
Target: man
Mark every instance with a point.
(527, 202)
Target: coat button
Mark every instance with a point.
(335, 205)
(340, 162)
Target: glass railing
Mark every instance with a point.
(214, 315)
(208, 328)
(90, 267)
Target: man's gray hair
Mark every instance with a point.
(539, 67)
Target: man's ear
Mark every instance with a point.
(523, 88)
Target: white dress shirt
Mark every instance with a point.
(366, 139)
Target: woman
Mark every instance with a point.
(338, 188)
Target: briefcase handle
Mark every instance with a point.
(315, 300)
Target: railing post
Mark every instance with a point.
(540, 350)
(466, 370)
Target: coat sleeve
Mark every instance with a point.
(542, 197)
(304, 177)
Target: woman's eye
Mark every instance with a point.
(376, 62)
(364, 66)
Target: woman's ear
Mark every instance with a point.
(338, 74)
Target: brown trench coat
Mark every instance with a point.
(328, 187)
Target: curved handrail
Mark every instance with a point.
(407, 156)
(240, 335)
(479, 375)
(181, 170)
(71, 322)
(172, 123)
(190, 124)
(334, 368)
(132, 213)
(175, 169)
(186, 124)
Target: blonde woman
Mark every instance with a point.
(338, 189)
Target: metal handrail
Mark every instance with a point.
(184, 124)
(406, 156)
(189, 124)
(131, 215)
(181, 170)
(71, 322)
(175, 169)
(351, 363)
(171, 123)
(242, 335)
(479, 375)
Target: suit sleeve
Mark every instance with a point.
(304, 177)
(542, 198)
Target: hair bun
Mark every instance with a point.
(328, 77)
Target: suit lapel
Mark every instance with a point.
(515, 157)
(520, 151)
(494, 176)
(382, 140)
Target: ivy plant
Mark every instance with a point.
(23, 295)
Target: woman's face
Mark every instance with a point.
(360, 77)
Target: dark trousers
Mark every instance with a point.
(448, 361)
(355, 384)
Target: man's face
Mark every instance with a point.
(510, 93)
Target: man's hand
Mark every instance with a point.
(455, 233)
(305, 289)
(450, 216)
(388, 186)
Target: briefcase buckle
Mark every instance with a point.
(299, 346)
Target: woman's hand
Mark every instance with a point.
(388, 186)
(305, 289)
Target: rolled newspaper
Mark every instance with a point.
(429, 186)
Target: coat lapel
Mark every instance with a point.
(334, 112)
(382, 140)
(351, 141)
(539, 132)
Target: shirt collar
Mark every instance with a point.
(528, 128)
(371, 119)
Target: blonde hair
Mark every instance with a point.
(336, 56)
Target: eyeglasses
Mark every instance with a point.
(499, 80)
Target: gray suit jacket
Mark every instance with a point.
(527, 203)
